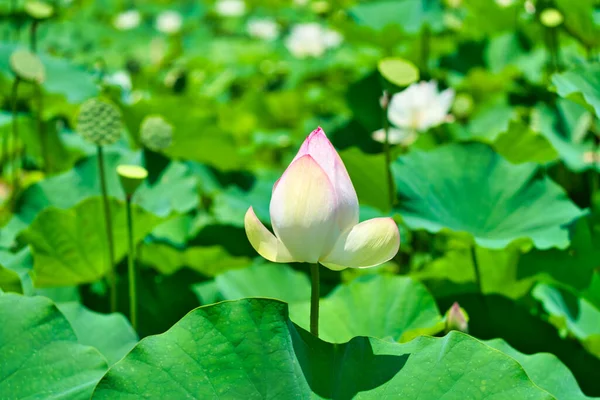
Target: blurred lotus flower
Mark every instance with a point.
(311, 40)
(505, 3)
(314, 214)
(420, 106)
(169, 22)
(457, 319)
(127, 20)
(119, 78)
(230, 8)
(405, 137)
(265, 29)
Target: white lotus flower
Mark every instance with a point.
(404, 137)
(127, 20)
(265, 29)
(314, 214)
(230, 8)
(311, 40)
(119, 78)
(420, 106)
(169, 22)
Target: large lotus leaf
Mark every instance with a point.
(579, 20)
(494, 316)
(14, 271)
(368, 174)
(174, 191)
(249, 349)
(559, 129)
(408, 14)
(278, 281)
(574, 266)
(547, 371)
(111, 334)
(41, 358)
(66, 84)
(208, 260)
(572, 315)
(454, 272)
(69, 246)
(469, 188)
(583, 80)
(377, 306)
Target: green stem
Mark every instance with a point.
(388, 161)
(42, 130)
(476, 268)
(131, 268)
(33, 36)
(314, 299)
(15, 134)
(112, 279)
(425, 44)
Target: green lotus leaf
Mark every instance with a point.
(111, 334)
(583, 80)
(41, 358)
(174, 191)
(571, 314)
(69, 246)
(469, 188)
(403, 310)
(249, 349)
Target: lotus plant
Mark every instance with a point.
(314, 214)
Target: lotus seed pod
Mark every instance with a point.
(27, 66)
(551, 17)
(156, 133)
(99, 122)
(39, 10)
(131, 177)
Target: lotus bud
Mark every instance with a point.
(314, 215)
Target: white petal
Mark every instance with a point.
(395, 136)
(303, 210)
(263, 241)
(322, 151)
(368, 244)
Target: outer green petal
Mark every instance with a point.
(368, 244)
(263, 241)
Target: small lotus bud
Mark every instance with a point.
(384, 100)
(99, 122)
(131, 177)
(463, 105)
(27, 66)
(457, 319)
(156, 133)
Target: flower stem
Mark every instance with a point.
(12, 153)
(33, 36)
(131, 268)
(314, 299)
(42, 130)
(476, 268)
(388, 161)
(112, 279)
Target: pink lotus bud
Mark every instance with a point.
(457, 319)
(314, 214)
